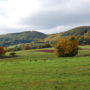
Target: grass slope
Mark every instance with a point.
(43, 71)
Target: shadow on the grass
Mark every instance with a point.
(4, 57)
(83, 55)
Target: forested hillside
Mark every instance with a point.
(23, 37)
(82, 33)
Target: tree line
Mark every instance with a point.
(65, 47)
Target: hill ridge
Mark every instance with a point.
(83, 32)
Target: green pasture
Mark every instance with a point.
(32, 70)
(85, 46)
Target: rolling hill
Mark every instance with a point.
(18, 38)
(82, 32)
(78, 31)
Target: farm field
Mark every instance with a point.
(85, 46)
(36, 70)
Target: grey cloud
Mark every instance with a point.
(4, 30)
(56, 13)
(49, 19)
(50, 3)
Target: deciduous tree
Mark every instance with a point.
(2, 51)
(66, 47)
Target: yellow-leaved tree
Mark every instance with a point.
(67, 47)
(2, 51)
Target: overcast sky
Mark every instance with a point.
(48, 16)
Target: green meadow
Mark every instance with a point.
(85, 46)
(33, 70)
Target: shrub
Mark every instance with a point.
(2, 51)
(12, 54)
(47, 45)
(66, 47)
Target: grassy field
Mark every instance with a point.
(85, 46)
(32, 70)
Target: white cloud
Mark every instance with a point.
(43, 15)
(12, 11)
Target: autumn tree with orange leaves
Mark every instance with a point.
(2, 51)
(67, 47)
